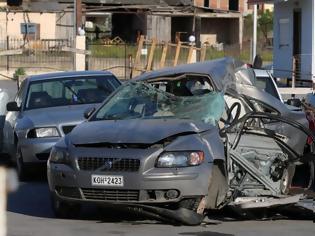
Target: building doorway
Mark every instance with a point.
(297, 24)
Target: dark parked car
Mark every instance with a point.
(47, 107)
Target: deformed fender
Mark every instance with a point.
(208, 141)
(214, 144)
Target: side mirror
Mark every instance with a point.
(12, 106)
(88, 112)
(294, 102)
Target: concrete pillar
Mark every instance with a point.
(79, 56)
(241, 31)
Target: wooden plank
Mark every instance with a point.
(75, 50)
(178, 48)
(203, 53)
(185, 46)
(11, 52)
(3, 202)
(190, 53)
(164, 53)
(138, 55)
(151, 55)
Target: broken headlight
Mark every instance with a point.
(180, 159)
(59, 156)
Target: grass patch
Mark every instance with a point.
(112, 51)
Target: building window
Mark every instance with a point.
(206, 3)
(233, 5)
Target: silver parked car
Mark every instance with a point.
(173, 144)
(47, 107)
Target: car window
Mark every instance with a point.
(266, 84)
(70, 91)
(184, 85)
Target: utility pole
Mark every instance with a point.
(77, 16)
(254, 51)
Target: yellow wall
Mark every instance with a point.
(47, 22)
(269, 7)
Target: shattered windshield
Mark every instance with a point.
(139, 100)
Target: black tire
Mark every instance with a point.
(65, 210)
(190, 203)
(22, 170)
(218, 187)
(192, 217)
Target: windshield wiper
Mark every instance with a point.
(72, 91)
(121, 116)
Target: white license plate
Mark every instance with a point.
(107, 180)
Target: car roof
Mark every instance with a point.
(56, 75)
(218, 70)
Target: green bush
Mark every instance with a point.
(18, 72)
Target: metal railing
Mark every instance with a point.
(45, 53)
(120, 58)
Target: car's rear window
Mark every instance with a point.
(70, 91)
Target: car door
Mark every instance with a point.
(11, 119)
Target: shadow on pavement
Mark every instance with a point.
(31, 198)
(204, 233)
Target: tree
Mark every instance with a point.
(265, 24)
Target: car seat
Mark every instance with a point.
(39, 99)
(92, 95)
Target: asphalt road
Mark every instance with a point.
(29, 214)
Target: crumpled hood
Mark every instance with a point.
(55, 116)
(137, 131)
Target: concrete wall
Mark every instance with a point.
(10, 25)
(159, 27)
(268, 7)
(283, 54)
(221, 4)
(306, 41)
(64, 25)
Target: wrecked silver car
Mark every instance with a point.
(174, 144)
